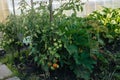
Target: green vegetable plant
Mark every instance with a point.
(81, 41)
(68, 43)
(13, 33)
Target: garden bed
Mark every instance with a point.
(41, 44)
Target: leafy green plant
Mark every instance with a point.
(107, 69)
(110, 19)
(81, 41)
(65, 43)
(12, 33)
(62, 42)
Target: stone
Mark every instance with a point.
(2, 52)
(4, 72)
(13, 78)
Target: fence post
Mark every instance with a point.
(13, 4)
(32, 4)
(50, 9)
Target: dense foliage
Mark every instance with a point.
(67, 45)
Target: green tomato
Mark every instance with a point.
(52, 68)
(60, 45)
(55, 44)
(49, 48)
(54, 39)
(59, 41)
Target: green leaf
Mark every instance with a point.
(101, 42)
(82, 73)
(71, 49)
(109, 36)
(36, 58)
